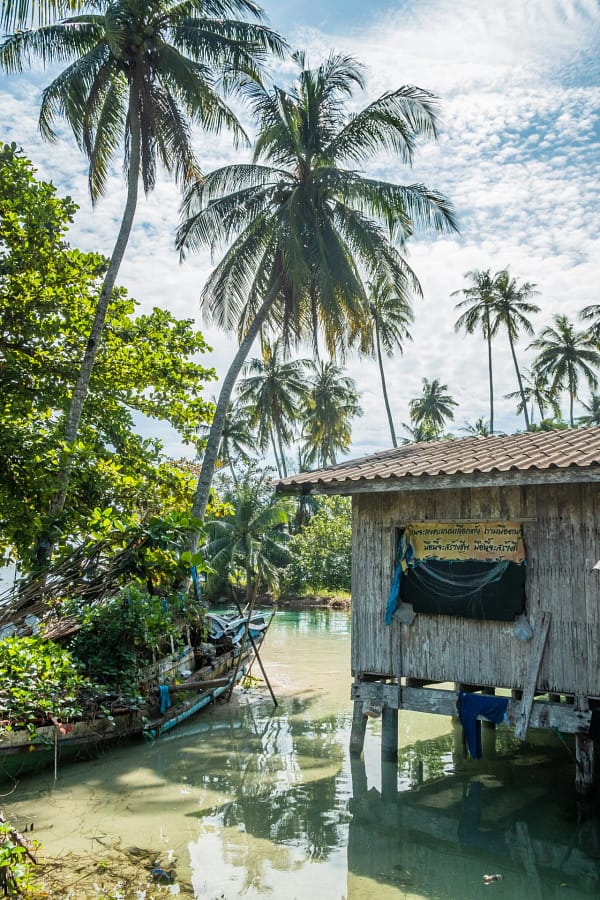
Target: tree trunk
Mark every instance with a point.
(44, 543)
(281, 453)
(489, 343)
(278, 464)
(216, 429)
(383, 386)
(519, 379)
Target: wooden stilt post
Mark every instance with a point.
(584, 754)
(359, 728)
(389, 733)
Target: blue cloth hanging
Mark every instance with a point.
(472, 705)
(394, 595)
(165, 698)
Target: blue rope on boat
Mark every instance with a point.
(165, 698)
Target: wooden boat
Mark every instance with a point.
(174, 688)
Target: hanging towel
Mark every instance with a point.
(472, 705)
(165, 698)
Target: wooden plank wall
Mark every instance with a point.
(563, 544)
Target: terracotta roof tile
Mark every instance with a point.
(575, 448)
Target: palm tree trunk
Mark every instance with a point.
(384, 387)
(275, 453)
(519, 379)
(281, 453)
(44, 543)
(216, 429)
(489, 343)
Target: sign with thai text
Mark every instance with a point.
(473, 540)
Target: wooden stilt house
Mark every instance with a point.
(476, 582)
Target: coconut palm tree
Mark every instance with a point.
(593, 411)
(386, 327)
(303, 224)
(538, 393)
(238, 442)
(272, 392)
(591, 314)
(478, 428)
(478, 305)
(332, 403)
(564, 356)
(139, 74)
(511, 308)
(24, 13)
(250, 544)
(433, 408)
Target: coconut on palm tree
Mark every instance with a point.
(331, 405)
(433, 408)
(478, 305)
(139, 75)
(511, 308)
(385, 328)
(303, 225)
(566, 355)
(272, 392)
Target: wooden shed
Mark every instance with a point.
(511, 521)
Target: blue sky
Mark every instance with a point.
(518, 154)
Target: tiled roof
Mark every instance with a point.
(541, 452)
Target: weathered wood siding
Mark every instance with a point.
(563, 544)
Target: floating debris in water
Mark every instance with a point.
(489, 879)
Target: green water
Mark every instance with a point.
(250, 801)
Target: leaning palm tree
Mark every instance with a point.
(330, 406)
(564, 356)
(433, 408)
(538, 393)
(272, 393)
(477, 305)
(302, 224)
(511, 308)
(386, 327)
(139, 75)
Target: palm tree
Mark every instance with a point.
(593, 411)
(418, 434)
(237, 440)
(479, 428)
(304, 223)
(272, 393)
(511, 308)
(592, 314)
(21, 13)
(478, 305)
(386, 326)
(250, 544)
(139, 75)
(538, 393)
(329, 409)
(433, 408)
(565, 355)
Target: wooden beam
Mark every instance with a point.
(533, 670)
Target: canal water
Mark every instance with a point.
(252, 801)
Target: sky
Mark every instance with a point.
(518, 155)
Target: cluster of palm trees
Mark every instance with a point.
(309, 241)
(566, 356)
(280, 403)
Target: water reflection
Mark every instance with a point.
(251, 800)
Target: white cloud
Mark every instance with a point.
(518, 155)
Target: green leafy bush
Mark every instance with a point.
(38, 679)
(322, 551)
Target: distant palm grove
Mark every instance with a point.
(311, 267)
